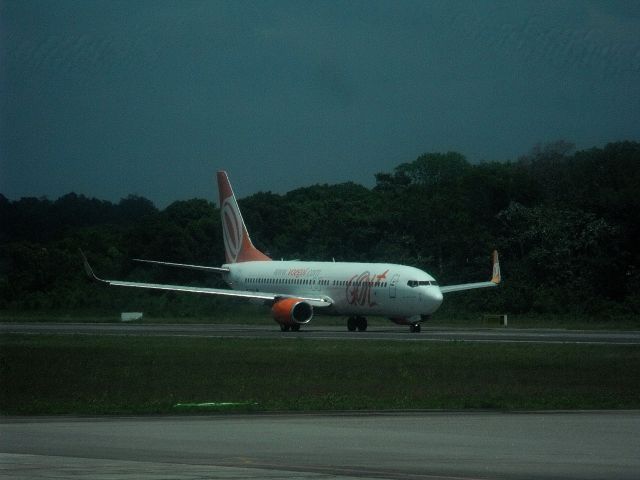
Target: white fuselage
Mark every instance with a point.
(379, 289)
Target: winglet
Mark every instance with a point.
(496, 269)
(237, 244)
(87, 267)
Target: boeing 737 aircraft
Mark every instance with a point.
(295, 289)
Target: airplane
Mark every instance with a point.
(295, 289)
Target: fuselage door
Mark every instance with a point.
(392, 285)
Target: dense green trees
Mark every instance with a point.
(567, 226)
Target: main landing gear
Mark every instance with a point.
(359, 323)
(293, 328)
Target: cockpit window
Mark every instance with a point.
(418, 283)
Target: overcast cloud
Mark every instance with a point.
(110, 98)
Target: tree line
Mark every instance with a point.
(566, 223)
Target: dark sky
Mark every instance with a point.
(109, 98)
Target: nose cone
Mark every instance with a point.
(432, 297)
(436, 295)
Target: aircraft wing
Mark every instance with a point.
(319, 301)
(466, 286)
(495, 279)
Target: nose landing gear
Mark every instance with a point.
(415, 328)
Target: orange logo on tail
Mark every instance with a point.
(237, 244)
(231, 230)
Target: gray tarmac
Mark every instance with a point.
(410, 445)
(318, 332)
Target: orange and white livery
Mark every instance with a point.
(295, 290)
(237, 244)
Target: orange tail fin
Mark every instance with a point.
(496, 278)
(237, 244)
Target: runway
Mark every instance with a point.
(429, 445)
(318, 332)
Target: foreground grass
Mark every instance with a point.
(105, 374)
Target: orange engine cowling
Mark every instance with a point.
(292, 311)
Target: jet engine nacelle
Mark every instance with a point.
(292, 311)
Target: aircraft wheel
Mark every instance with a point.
(295, 328)
(351, 324)
(362, 324)
(415, 328)
(284, 328)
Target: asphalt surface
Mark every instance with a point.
(391, 333)
(431, 445)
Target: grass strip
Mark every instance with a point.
(49, 374)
